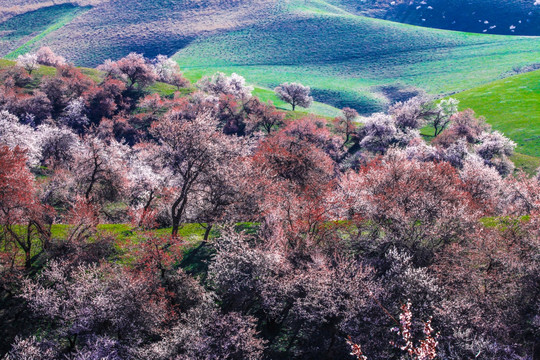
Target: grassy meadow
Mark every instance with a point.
(512, 106)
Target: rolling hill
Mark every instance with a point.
(356, 61)
(347, 59)
(113, 28)
(11, 8)
(20, 33)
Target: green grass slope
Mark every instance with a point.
(512, 106)
(349, 60)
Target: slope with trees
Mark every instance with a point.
(322, 239)
(354, 61)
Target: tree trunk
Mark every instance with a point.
(181, 202)
(293, 338)
(175, 225)
(28, 247)
(72, 341)
(146, 207)
(162, 271)
(207, 232)
(92, 181)
(27, 259)
(44, 231)
(176, 211)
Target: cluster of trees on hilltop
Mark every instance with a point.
(363, 240)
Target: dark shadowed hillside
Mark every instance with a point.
(507, 17)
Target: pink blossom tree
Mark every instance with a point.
(134, 69)
(191, 150)
(46, 56)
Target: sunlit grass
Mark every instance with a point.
(512, 106)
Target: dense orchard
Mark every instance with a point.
(361, 239)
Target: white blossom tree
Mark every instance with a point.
(441, 115)
(74, 114)
(146, 182)
(59, 145)
(92, 302)
(411, 113)
(421, 110)
(13, 133)
(380, 132)
(165, 68)
(29, 62)
(295, 94)
(191, 151)
(221, 84)
(495, 148)
(99, 169)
